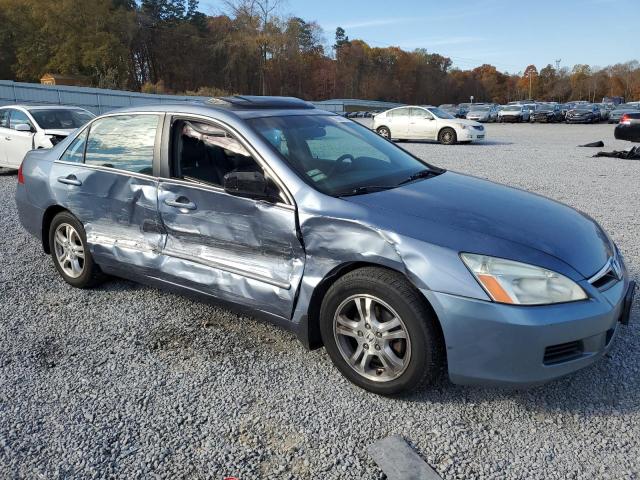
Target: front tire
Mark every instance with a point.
(447, 136)
(71, 256)
(379, 332)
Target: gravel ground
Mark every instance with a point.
(129, 381)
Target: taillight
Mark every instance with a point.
(20, 176)
(625, 119)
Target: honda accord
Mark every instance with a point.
(399, 268)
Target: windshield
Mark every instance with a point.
(512, 108)
(338, 156)
(440, 113)
(627, 106)
(61, 119)
(481, 108)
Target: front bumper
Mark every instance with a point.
(471, 135)
(511, 118)
(580, 119)
(493, 344)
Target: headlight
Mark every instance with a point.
(517, 283)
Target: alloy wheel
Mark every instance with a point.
(372, 338)
(69, 250)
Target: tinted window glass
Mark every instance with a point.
(62, 119)
(4, 118)
(206, 153)
(75, 151)
(125, 142)
(18, 118)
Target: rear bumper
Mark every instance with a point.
(493, 344)
(630, 133)
(30, 216)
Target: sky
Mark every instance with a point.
(509, 34)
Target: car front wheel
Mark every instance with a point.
(71, 257)
(379, 333)
(447, 136)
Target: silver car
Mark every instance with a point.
(483, 113)
(310, 220)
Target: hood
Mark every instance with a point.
(463, 121)
(58, 131)
(467, 213)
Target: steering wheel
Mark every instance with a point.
(340, 162)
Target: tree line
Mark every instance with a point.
(170, 46)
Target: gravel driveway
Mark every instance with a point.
(130, 381)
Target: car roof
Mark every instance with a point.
(244, 107)
(43, 107)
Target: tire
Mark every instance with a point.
(447, 136)
(384, 132)
(418, 357)
(67, 237)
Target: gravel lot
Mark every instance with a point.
(129, 381)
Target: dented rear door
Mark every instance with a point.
(237, 249)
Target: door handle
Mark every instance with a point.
(8, 139)
(70, 180)
(184, 204)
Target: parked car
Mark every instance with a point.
(317, 223)
(583, 113)
(426, 123)
(629, 127)
(620, 110)
(24, 128)
(548, 113)
(483, 113)
(514, 113)
(605, 110)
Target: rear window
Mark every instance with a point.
(4, 118)
(58, 118)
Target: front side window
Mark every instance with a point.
(18, 118)
(337, 156)
(58, 118)
(420, 113)
(205, 153)
(125, 142)
(75, 151)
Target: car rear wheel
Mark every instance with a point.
(384, 132)
(71, 257)
(379, 333)
(447, 136)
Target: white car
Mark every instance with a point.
(27, 127)
(426, 123)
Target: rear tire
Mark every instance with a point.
(360, 311)
(70, 253)
(447, 136)
(384, 132)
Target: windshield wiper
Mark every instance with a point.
(365, 190)
(419, 175)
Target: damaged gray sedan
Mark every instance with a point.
(305, 218)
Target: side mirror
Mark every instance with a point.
(246, 184)
(23, 127)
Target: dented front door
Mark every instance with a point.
(236, 249)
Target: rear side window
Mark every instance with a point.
(75, 151)
(125, 142)
(4, 118)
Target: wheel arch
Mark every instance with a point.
(314, 339)
(47, 218)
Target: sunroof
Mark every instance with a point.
(255, 101)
